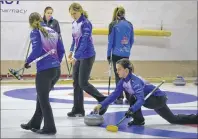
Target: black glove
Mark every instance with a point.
(27, 66)
(109, 59)
(129, 114)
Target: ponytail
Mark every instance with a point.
(36, 24)
(114, 14)
(43, 30)
(85, 13)
(35, 20)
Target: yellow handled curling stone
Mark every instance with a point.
(114, 128)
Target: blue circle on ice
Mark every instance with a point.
(30, 94)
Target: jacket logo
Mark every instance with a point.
(124, 40)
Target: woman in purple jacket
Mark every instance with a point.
(43, 40)
(82, 56)
(138, 90)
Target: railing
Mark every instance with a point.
(138, 32)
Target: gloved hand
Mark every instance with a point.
(97, 108)
(129, 114)
(109, 59)
(70, 55)
(27, 66)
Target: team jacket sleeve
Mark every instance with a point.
(72, 45)
(139, 93)
(58, 30)
(60, 49)
(35, 39)
(132, 36)
(110, 39)
(86, 33)
(114, 95)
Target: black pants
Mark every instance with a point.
(114, 60)
(158, 103)
(81, 73)
(45, 81)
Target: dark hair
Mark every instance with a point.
(35, 20)
(48, 8)
(126, 64)
(78, 8)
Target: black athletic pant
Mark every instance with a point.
(158, 103)
(45, 81)
(114, 60)
(81, 73)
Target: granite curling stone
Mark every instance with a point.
(179, 81)
(93, 120)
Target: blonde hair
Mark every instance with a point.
(118, 12)
(78, 8)
(35, 20)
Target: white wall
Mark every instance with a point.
(179, 17)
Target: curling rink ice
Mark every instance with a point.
(18, 105)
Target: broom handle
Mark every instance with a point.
(110, 69)
(154, 90)
(39, 58)
(43, 56)
(121, 120)
(69, 69)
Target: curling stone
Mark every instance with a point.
(179, 81)
(196, 81)
(93, 120)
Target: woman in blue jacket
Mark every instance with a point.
(82, 56)
(138, 90)
(120, 41)
(43, 40)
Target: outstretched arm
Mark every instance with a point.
(114, 95)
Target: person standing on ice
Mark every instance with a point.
(44, 39)
(82, 56)
(138, 90)
(120, 41)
